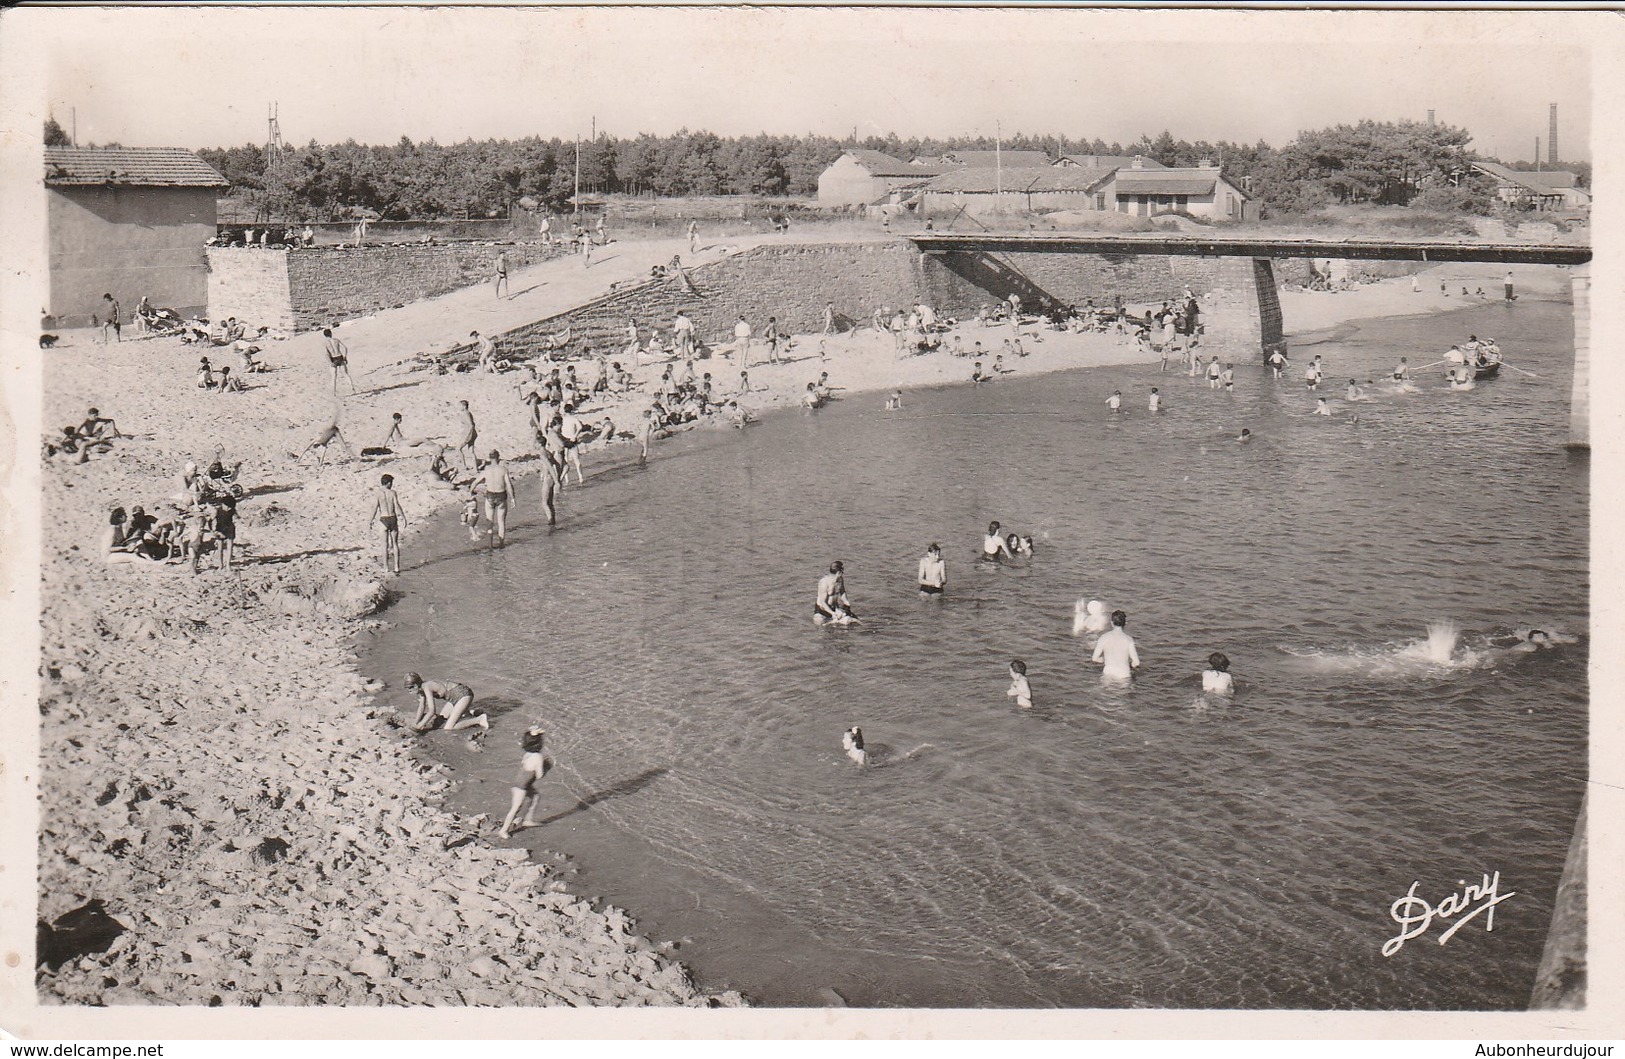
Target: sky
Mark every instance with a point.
(204, 77)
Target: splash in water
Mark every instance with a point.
(1440, 646)
(1439, 652)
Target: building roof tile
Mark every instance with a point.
(128, 166)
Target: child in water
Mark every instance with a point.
(1216, 677)
(471, 515)
(852, 742)
(1019, 689)
(532, 767)
(1115, 401)
(895, 401)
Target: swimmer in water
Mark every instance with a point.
(532, 767)
(994, 547)
(1115, 650)
(1216, 677)
(1090, 617)
(1246, 436)
(1354, 392)
(1277, 364)
(1019, 545)
(1155, 403)
(1115, 401)
(852, 743)
(1019, 689)
(831, 605)
(933, 572)
(895, 401)
(1402, 371)
(1321, 408)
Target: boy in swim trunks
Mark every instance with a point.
(386, 511)
(442, 699)
(532, 768)
(933, 572)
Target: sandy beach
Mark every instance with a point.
(214, 769)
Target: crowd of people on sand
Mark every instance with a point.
(200, 517)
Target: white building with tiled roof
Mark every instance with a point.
(130, 222)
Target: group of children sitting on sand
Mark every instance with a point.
(201, 517)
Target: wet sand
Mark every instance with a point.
(213, 768)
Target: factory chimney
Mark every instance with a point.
(1551, 138)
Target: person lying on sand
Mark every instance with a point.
(444, 700)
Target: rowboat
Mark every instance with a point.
(1487, 371)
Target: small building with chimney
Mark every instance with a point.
(130, 222)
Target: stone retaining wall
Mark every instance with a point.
(300, 289)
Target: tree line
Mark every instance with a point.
(1376, 162)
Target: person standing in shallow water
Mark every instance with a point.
(532, 768)
(499, 496)
(1115, 650)
(933, 572)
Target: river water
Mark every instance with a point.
(1108, 848)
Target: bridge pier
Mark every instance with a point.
(1241, 316)
(1580, 394)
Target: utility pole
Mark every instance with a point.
(74, 136)
(998, 163)
(578, 176)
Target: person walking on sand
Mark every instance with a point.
(450, 700)
(829, 318)
(502, 273)
(1507, 284)
(338, 356)
(466, 437)
(499, 496)
(646, 434)
(1115, 650)
(933, 572)
(693, 237)
(113, 321)
(386, 511)
(533, 766)
(586, 250)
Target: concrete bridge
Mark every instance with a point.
(1243, 317)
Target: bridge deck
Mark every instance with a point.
(1193, 245)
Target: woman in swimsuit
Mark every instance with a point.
(532, 767)
(440, 699)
